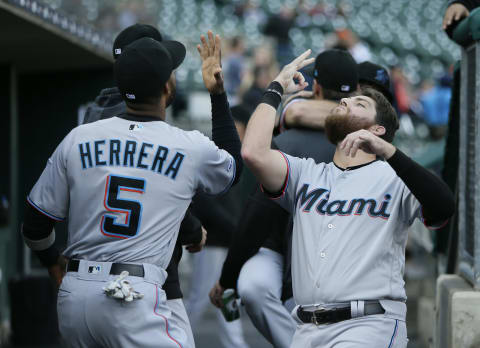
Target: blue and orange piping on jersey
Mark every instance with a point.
(281, 193)
(433, 228)
(51, 216)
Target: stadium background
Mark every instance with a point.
(56, 56)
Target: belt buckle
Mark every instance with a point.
(315, 320)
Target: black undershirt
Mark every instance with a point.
(436, 198)
(224, 132)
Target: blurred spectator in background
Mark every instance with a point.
(401, 90)
(262, 78)
(127, 15)
(278, 26)
(250, 11)
(107, 19)
(348, 40)
(234, 69)
(435, 101)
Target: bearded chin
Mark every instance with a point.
(337, 127)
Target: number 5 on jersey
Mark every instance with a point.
(133, 209)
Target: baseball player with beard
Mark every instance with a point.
(124, 184)
(351, 217)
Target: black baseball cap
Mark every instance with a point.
(133, 33)
(377, 77)
(336, 70)
(144, 67)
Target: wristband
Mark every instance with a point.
(273, 95)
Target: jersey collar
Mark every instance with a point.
(139, 118)
(355, 167)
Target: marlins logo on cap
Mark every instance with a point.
(381, 76)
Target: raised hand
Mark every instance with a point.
(290, 73)
(454, 12)
(211, 55)
(367, 142)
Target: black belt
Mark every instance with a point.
(334, 315)
(116, 269)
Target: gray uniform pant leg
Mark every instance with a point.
(260, 288)
(373, 331)
(180, 317)
(207, 267)
(88, 318)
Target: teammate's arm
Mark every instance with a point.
(38, 233)
(190, 229)
(224, 132)
(268, 165)
(306, 113)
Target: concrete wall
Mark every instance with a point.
(457, 314)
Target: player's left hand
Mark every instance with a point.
(211, 55)
(367, 142)
(216, 295)
(58, 270)
(290, 73)
(195, 248)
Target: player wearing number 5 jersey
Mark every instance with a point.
(124, 185)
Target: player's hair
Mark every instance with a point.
(145, 105)
(386, 115)
(330, 94)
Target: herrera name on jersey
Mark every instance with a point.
(129, 153)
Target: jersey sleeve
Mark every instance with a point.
(412, 209)
(216, 168)
(282, 123)
(296, 167)
(50, 195)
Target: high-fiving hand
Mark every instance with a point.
(211, 55)
(367, 142)
(290, 74)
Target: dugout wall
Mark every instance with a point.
(458, 296)
(49, 67)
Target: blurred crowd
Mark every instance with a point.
(248, 67)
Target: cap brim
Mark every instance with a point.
(177, 51)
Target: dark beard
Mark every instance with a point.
(337, 126)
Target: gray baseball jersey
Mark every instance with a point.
(350, 231)
(125, 195)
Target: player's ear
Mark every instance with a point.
(377, 130)
(317, 89)
(166, 89)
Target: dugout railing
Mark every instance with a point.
(467, 34)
